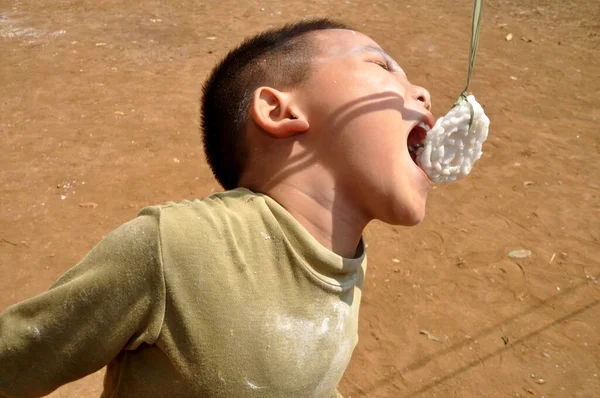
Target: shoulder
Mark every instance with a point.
(217, 211)
(233, 200)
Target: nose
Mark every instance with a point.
(422, 95)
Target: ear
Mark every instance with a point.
(275, 112)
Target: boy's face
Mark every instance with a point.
(361, 109)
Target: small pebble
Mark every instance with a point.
(92, 205)
(519, 253)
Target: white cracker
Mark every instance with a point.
(451, 147)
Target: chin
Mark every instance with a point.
(407, 216)
(410, 211)
(404, 202)
(414, 219)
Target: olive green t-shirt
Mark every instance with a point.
(227, 296)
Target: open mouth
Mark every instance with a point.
(416, 139)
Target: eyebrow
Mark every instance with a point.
(370, 48)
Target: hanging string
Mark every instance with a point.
(475, 28)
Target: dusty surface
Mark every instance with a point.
(99, 104)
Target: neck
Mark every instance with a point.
(328, 217)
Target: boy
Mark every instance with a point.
(254, 291)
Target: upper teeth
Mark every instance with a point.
(424, 126)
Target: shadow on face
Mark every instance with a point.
(285, 166)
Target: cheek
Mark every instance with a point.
(353, 88)
(368, 137)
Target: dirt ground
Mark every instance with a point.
(99, 118)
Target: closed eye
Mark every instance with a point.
(383, 59)
(384, 65)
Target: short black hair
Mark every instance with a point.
(278, 58)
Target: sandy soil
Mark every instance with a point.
(100, 104)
